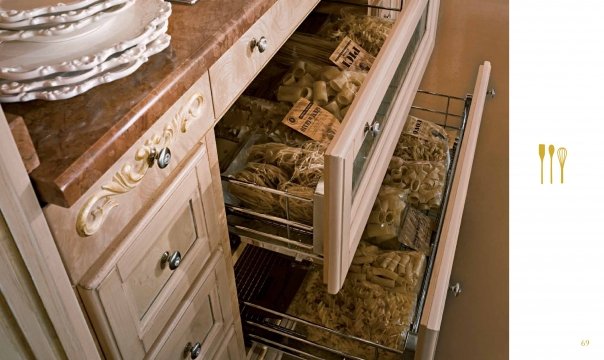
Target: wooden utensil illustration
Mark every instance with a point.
(562, 159)
(551, 164)
(542, 155)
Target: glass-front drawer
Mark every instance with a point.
(319, 212)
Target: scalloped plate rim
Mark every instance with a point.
(105, 77)
(62, 18)
(82, 62)
(54, 6)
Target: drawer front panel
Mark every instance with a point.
(229, 350)
(443, 263)
(203, 319)
(85, 230)
(240, 64)
(357, 159)
(132, 295)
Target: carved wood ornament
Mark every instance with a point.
(95, 211)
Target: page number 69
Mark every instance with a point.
(585, 342)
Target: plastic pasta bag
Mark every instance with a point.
(370, 32)
(384, 223)
(422, 140)
(425, 181)
(377, 301)
(327, 86)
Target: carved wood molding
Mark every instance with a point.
(96, 209)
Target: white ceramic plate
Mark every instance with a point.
(18, 10)
(29, 60)
(49, 20)
(10, 87)
(66, 92)
(66, 31)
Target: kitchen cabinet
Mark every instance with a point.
(144, 239)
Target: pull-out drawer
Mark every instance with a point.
(357, 157)
(99, 218)
(240, 64)
(131, 293)
(204, 320)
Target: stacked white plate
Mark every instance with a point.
(57, 49)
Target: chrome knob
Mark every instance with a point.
(261, 44)
(491, 93)
(193, 349)
(455, 289)
(162, 157)
(173, 260)
(374, 128)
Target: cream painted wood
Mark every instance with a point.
(34, 242)
(130, 306)
(439, 281)
(229, 350)
(123, 192)
(238, 66)
(346, 216)
(12, 340)
(203, 317)
(24, 326)
(220, 232)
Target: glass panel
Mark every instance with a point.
(372, 137)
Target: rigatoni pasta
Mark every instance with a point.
(327, 86)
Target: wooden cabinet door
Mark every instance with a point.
(201, 323)
(135, 293)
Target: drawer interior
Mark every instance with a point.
(289, 217)
(266, 295)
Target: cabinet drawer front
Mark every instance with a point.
(229, 350)
(85, 230)
(439, 281)
(203, 317)
(357, 159)
(131, 294)
(240, 64)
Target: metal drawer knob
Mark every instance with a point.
(491, 92)
(173, 260)
(193, 349)
(373, 128)
(261, 44)
(163, 157)
(455, 289)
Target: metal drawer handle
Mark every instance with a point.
(173, 260)
(455, 289)
(261, 44)
(193, 349)
(163, 157)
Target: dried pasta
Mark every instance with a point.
(376, 302)
(422, 140)
(384, 221)
(327, 86)
(424, 180)
(265, 175)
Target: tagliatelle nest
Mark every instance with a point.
(299, 210)
(265, 175)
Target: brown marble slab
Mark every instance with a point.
(78, 139)
(23, 140)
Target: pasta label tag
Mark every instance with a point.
(424, 129)
(312, 120)
(351, 56)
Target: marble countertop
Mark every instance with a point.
(79, 139)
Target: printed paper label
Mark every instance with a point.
(351, 56)
(312, 120)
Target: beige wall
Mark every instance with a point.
(475, 324)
